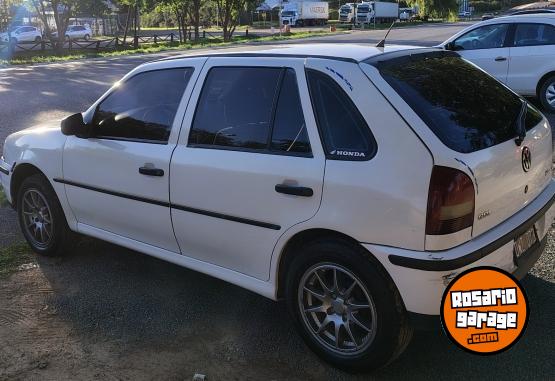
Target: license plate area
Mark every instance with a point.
(524, 243)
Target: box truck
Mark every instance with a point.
(301, 13)
(347, 13)
(377, 11)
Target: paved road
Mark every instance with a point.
(106, 312)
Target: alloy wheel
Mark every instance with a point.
(37, 217)
(550, 94)
(337, 309)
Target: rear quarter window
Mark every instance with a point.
(467, 109)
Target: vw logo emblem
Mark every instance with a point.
(526, 159)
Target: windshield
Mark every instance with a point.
(288, 13)
(465, 108)
(345, 8)
(363, 8)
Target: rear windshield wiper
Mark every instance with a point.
(520, 123)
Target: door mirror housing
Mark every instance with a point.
(74, 125)
(449, 46)
(452, 46)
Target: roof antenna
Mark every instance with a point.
(381, 44)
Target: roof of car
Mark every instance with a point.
(526, 17)
(335, 51)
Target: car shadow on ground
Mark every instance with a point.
(109, 294)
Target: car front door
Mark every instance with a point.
(117, 182)
(249, 164)
(486, 46)
(532, 55)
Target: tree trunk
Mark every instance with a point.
(126, 24)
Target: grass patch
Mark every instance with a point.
(49, 57)
(3, 199)
(13, 256)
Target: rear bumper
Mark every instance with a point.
(422, 276)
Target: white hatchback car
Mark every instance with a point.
(354, 182)
(76, 32)
(22, 34)
(517, 50)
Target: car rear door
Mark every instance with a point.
(117, 182)
(486, 46)
(532, 55)
(248, 164)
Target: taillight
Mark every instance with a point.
(450, 201)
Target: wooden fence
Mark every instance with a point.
(10, 49)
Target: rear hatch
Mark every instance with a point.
(477, 121)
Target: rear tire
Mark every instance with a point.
(87, 37)
(547, 94)
(42, 218)
(38, 39)
(368, 337)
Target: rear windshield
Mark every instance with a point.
(466, 109)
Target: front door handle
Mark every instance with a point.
(294, 190)
(151, 171)
(499, 59)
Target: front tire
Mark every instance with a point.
(547, 94)
(345, 306)
(42, 218)
(87, 37)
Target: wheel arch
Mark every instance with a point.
(20, 173)
(304, 237)
(542, 80)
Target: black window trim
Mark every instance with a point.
(138, 140)
(267, 150)
(515, 25)
(372, 143)
(508, 37)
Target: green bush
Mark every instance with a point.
(481, 6)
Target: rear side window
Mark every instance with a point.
(143, 107)
(466, 109)
(344, 132)
(534, 34)
(250, 108)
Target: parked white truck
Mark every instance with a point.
(378, 11)
(301, 13)
(347, 13)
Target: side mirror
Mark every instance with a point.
(74, 125)
(453, 46)
(450, 46)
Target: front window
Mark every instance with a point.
(485, 37)
(467, 109)
(288, 13)
(143, 107)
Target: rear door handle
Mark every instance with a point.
(294, 190)
(498, 59)
(151, 171)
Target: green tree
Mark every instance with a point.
(437, 8)
(62, 10)
(7, 10)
